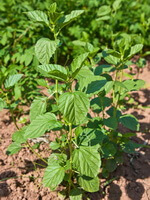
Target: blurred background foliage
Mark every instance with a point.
(102, 23)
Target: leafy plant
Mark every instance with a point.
(85, 144)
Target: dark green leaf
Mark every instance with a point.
(130, 122)
(75, 194)
(111, 165)
(111, 122)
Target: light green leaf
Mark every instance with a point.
(133, 85)
(111, 59)
(38, 16)
(18, 136)
(13, 148)
(2, 104)
(54, 145)
(104, 10)
(63, 21)
(117, 4)
(44, 49)
(17, 91)
(41, 124)
(74, 106)
(89, 184)
(75, 194)
(78, 61)
(38, 107)
(135, 49)
(130, 122)
(54, 173)
(53, 71)
(85, 76)
(103, 18)
(12, 80)
(86, 160)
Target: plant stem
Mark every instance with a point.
(56, 83)
(70, 151)
(13, 118)
(37, 154)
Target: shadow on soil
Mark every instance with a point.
(33, 165)
(4, 187)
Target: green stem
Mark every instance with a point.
(13, 118)
(56, 83)
(70, 150)
(37, 154)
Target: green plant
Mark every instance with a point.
(85, 143)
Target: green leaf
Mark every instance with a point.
(96, 86)
(38, 107)
(54, 145)
(18, 136)
(53, 71)
(89, 184)
(77, 62)
(44, 49)
(38, 16)
(90, 137)
(133, 85)
(104, 10)
(111, 122)
(135, 49)
(130, 147)
(111, 111)
(130, 122)
(17, 91)
(85, 76)
(110, 57)
(103, 18)
(63, 21)
(74, 106)
(52, 7)
(86, 160)
(54, 173)
(117, 4)
(99, 103)
(13, 148)
(12, 80)
(75, 194)
(108, 149)
(2, 104)
(41, 124)
(111, 165)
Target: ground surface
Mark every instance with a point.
(132, 178)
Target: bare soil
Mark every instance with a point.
(20, 179)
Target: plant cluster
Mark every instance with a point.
(82, 109)
(101, 24)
